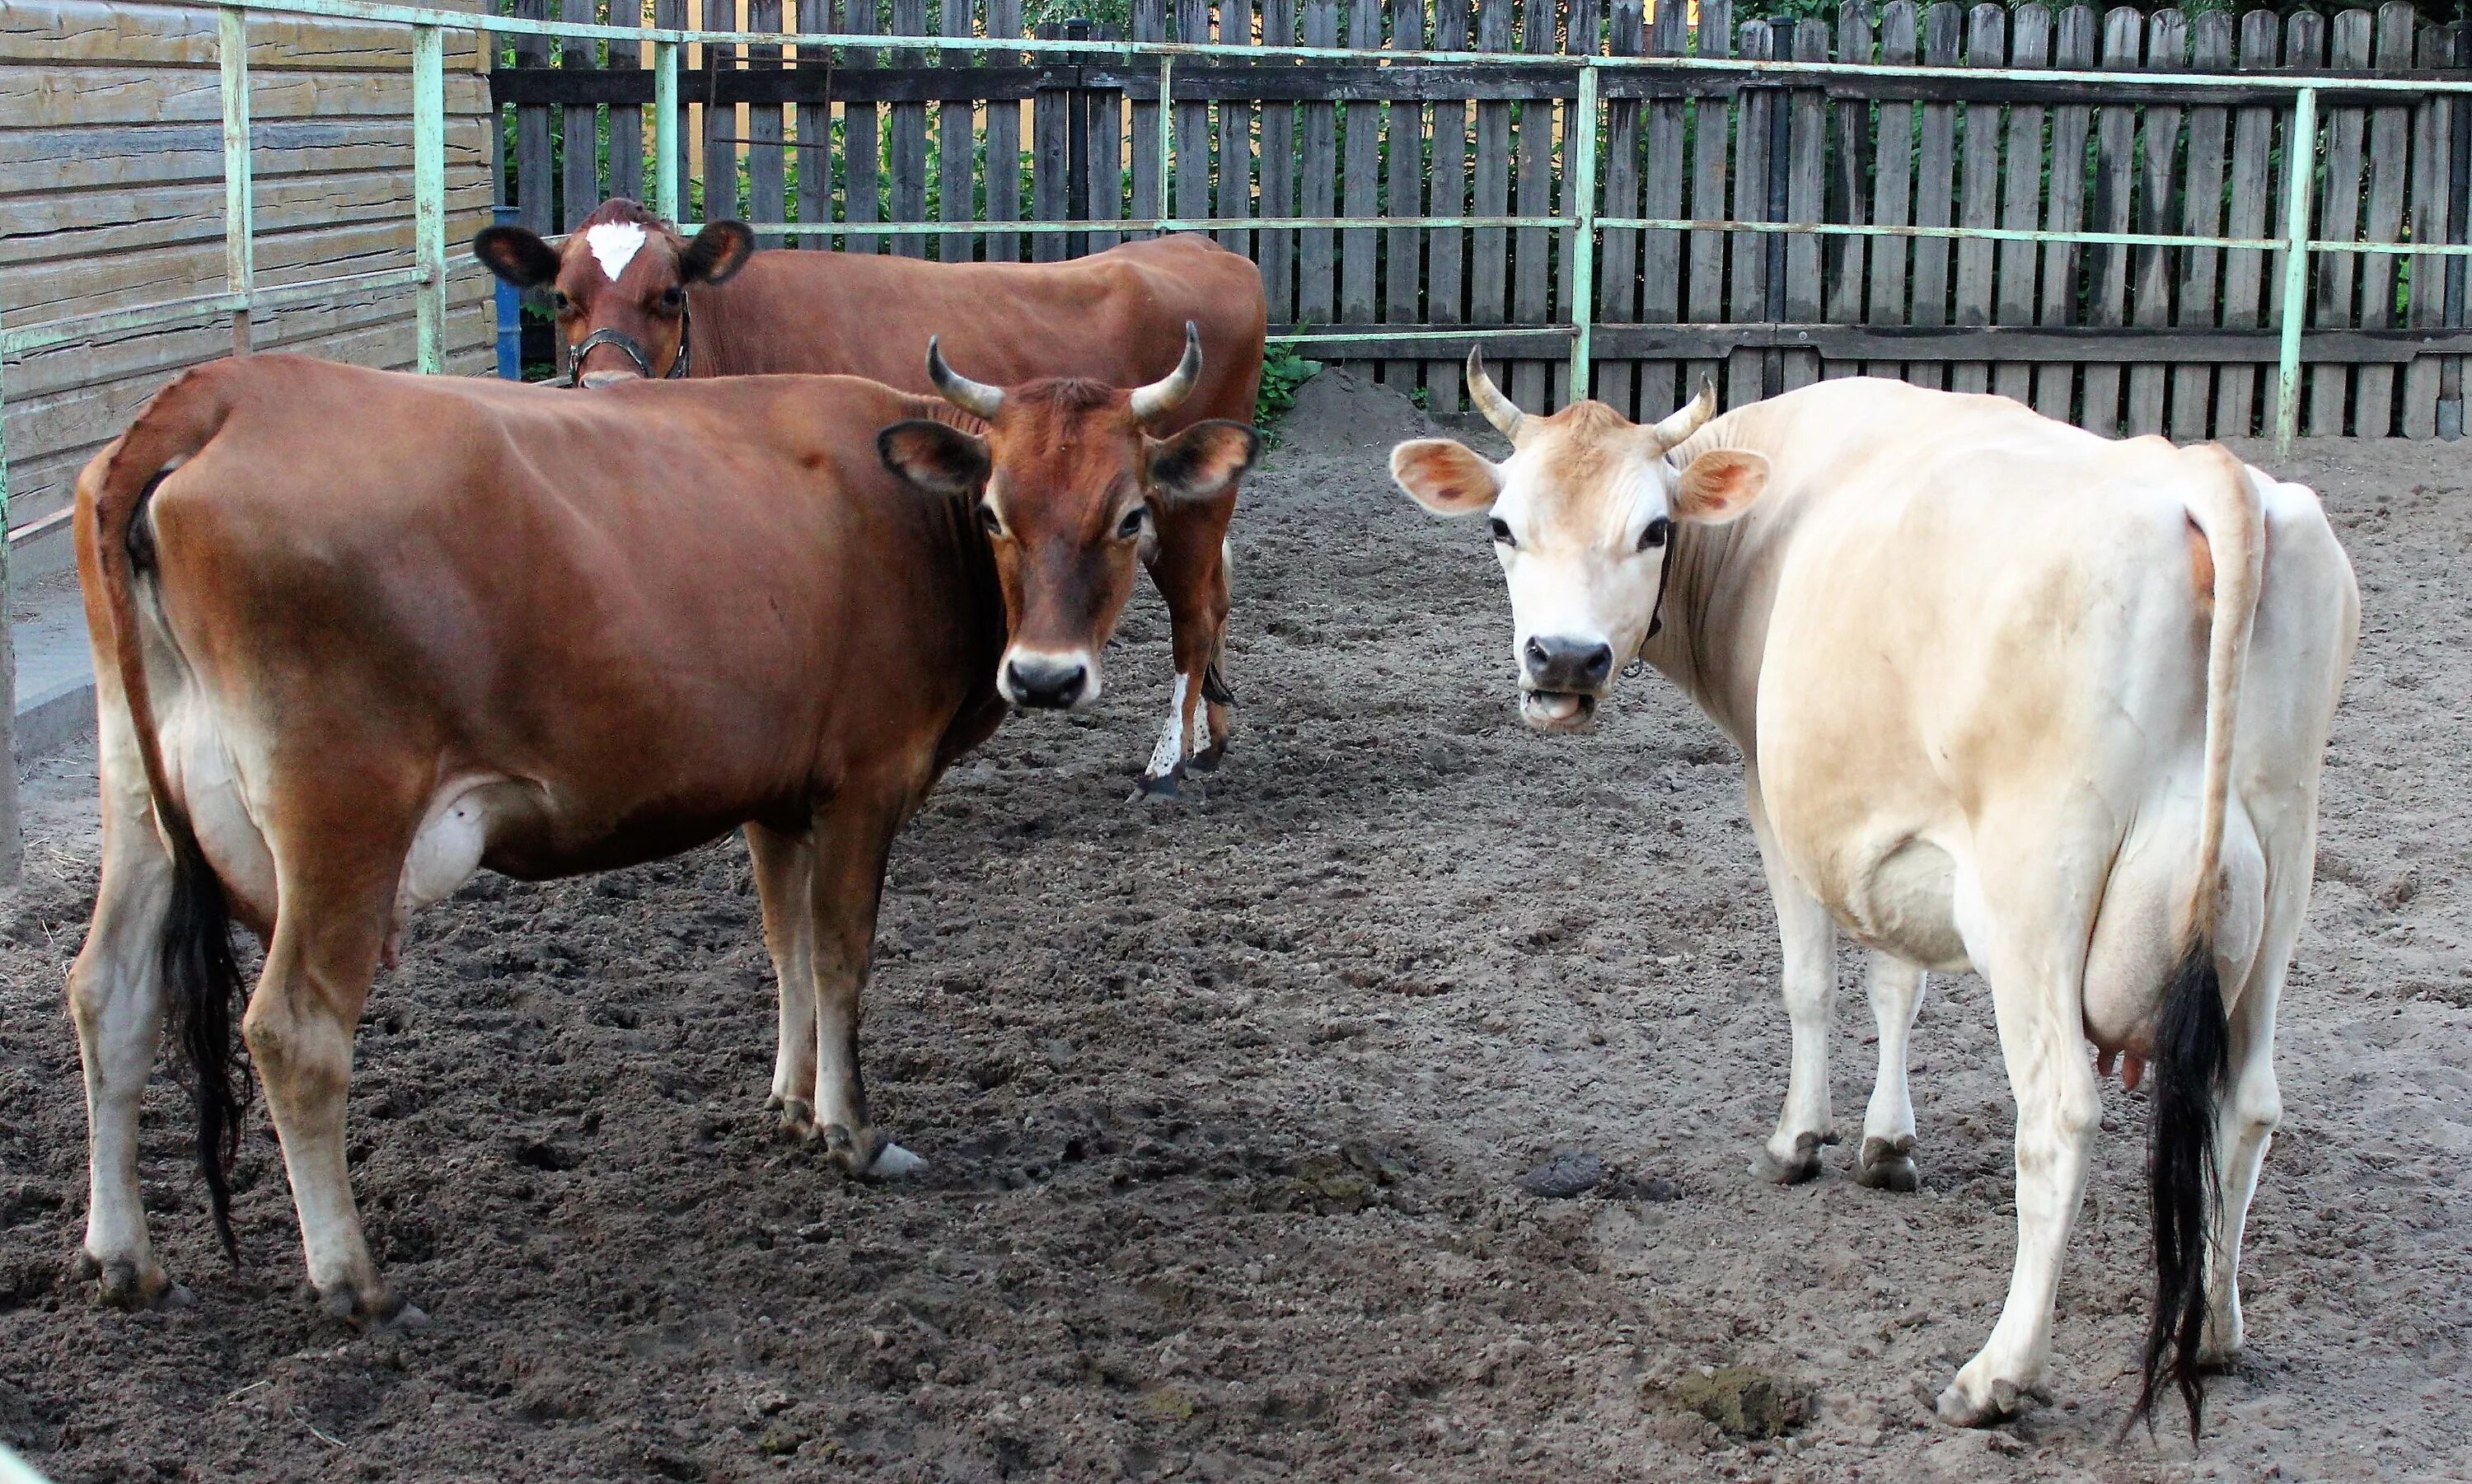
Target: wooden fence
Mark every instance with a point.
(112, 197)
(2119, 338)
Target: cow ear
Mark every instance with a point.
(517, 255)
(1200, 462)
(1445, 477)
(718, 251)
(938, 459)
(1720, 484)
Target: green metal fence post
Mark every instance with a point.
(429, 192)
(2300, 146)
(240, 253)
(1579, 170)
(666, 158)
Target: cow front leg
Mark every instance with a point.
(784, 870)
(1808, 943)
(116, 998)
(1188, 561)
(852, 840)
(1887, 1162)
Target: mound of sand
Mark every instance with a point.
(1341, 410)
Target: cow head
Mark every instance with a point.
(1583, 512)
(619, 284)
(1070, 485)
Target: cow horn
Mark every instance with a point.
(1685, 423)
(1160, 398)
(1499, 410)
(975, 398)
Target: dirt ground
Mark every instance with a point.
(1224, 1100)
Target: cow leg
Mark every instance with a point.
(1188, 561)
(2036, 963)
(1888, 1158)
(785, 868)
(334, 918)
(2245, 1127)
(1809, 940)
(853, 838)
(116, 998)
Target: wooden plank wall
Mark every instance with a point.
(111, 195)
(2059, 162)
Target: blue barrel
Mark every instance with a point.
(511, 316)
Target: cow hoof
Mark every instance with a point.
(1960, 1408)
(368, 1312)
(797, 1115)
(122, 1283)
(1803, 1165)
(1208, 760)
(2219, 1351)
(1889, 1164)
(1159, 785)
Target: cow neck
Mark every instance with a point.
(1714, 608)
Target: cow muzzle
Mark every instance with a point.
(1562, 679)
(606, 378)
(1046, 681)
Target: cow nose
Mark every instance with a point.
(602, 378)
(1046, 681)
(1559, 664)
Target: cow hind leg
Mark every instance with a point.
(2034, 960)
(2246, 1124)
(852, 842)
(785, 868)
(1887, 1162)
(116, 999)
(337, 908)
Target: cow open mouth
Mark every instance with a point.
(1556, 711)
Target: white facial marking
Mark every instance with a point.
(1168, 754)
(614, 245)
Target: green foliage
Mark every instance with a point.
(1283, 372)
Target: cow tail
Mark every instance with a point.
(201, 980)
(2192, 1040)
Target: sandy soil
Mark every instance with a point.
(1226, 1099)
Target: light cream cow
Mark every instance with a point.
(2010, 697)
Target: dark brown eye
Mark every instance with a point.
(989, 521)
(1132, 525)
(1502, 532)
(673, 299)
(558, 301)
(1656, 533)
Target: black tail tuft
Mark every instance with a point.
(2192, 1051)
(202, 985)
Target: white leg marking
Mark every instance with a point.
(614, 245)
(1896, 996)
(1171, 750)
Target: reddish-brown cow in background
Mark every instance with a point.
(359, 634)
(636, 299)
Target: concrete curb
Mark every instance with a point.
(55, 720)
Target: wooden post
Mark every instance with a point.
(1934, 188)
(1749, 299)
(1488, 259)
(2030, 45)
(862, 138)
(910, 134)
(1317, 287)
(1892, 183)
(768, 163)
(239, 237)
(1806, 147)
(429, 196)
(536, 192)
(1277, 251)
(626, 122)
(2124, 36)
(2056, 382)
(1051, 124)
(720, 120)
(2167, 50)
(1533, 246)
(1149, 19)
(1361, 166)
(2390, 157)
(580, 144)
(1406, 167)
(12, 824)
(2251, 192)
(1850, 186)
(814, 127)
(2201, 215)
(1979, 191)
(2339, 220)
(1708, 180)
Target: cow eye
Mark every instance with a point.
(988, 521)
(673, 299)
(1502, 532)
(1132, 525)
(1656, 533)
(559, 300)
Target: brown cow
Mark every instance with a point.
(636, 299)
(358, 634)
